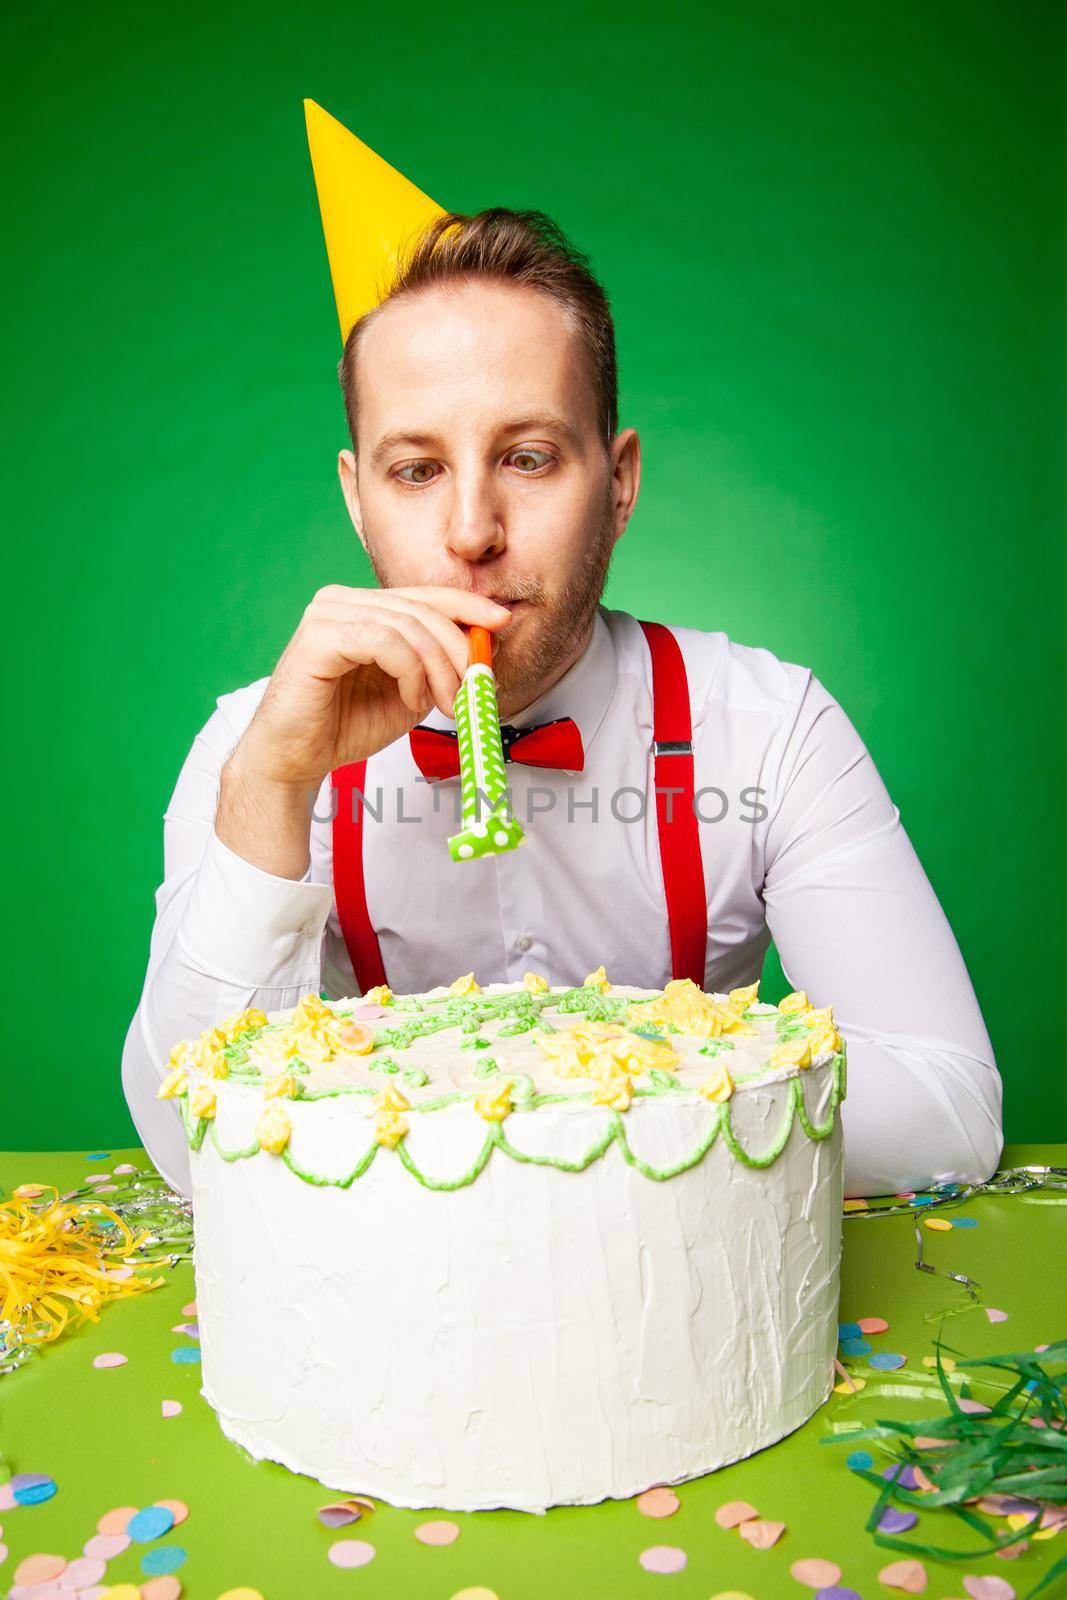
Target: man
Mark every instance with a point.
(488, 483)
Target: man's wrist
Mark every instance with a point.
(265, 822)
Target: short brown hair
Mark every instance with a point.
(525, 248)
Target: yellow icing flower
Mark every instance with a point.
(280, 1087)
(175, 1083)
(797, 1001)
(686, 1005)
(389, 1128)
(494, 1102)
(826, 1042)
(534, 983)
(202, 1100)
(219, 1067)
(391, 1099)
(741, 999)
(794, 1053)
(615, 1091)
(179, 1056)
(597, 980)
(236, 1025)
(565, 1052)
(820, 1017)
(312, 1008)
(380, 995)
(465, 985)
(273, 1128)
(719, 1087)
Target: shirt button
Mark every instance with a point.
(310, 930)
(525, 942)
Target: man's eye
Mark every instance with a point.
(527, 455)
(414, 466)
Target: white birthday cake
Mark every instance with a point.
(515, 1246)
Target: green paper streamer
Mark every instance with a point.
(481, 772)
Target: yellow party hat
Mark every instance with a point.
(369, 213)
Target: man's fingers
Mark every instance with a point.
(459, 604)
(449, 636)
(329, 647)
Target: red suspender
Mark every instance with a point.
(679, 830)
(348, 887)
(679, 837)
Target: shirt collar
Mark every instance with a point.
(583, 692)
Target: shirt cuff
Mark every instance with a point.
(246, 927)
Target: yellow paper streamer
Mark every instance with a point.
(54, 1266)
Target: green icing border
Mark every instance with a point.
(615, 1133)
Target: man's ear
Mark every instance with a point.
(625, 477)
(346, 471)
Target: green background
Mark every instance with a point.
(833, 250)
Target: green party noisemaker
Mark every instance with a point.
(482, 779)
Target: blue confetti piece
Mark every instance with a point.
(886, 1361)
(860, 1461)
(187, 1355)
(31, 1488)
(965, 1222)
(922, 1200)
(151, 1523)
(163, 1559)
(99, 1155)
(855, 1347)
(849, 1330)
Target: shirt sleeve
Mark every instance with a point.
(226, 936)
(857, 924)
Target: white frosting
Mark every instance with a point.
(537, 1336)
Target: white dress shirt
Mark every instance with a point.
(817, 859)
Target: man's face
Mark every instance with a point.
(481, 466)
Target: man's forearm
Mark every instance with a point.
(267, 824)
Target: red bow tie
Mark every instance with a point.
(548, 744)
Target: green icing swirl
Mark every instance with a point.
(614, 1133)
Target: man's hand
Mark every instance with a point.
(363, 667)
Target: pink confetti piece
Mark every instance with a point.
(3, 1552)
(814, 1573)
(39, 1570)
(351, 1553)
(165, 1587)
(7, 1497)
(658, 1502)
(873, 1325)
(106, 1546)
(437, 1533)
(761, 1534)
(973, 1408)
(924, 1441)
(190, 1329)
(121, 1171)
(985, 1588)
(734, 1512)
(110, 1358)
(190, 1309)
(82, 1573)
(1011, 1552)
(370, 1013)
(1039, 1349)
(996, 1316)
(907, 1575)
(119, 1274)
(97, 1177)
(171, 1408)
(663, 1558)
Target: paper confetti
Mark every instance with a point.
(761, 1535)
(171, 1408)
(151, 1523)
(873, 1325)
(907, 1575)
(658, 1502)
(734, 1512)
(117, 1521)
(351, 1553)
(437, 1533)
(663, 1558)
(814, 1573)
(111, 1358)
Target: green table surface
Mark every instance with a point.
(101, 1435)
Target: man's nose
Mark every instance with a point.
(476, 530)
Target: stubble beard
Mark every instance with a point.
(552, 626)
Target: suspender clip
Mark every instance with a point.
(673, 747)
